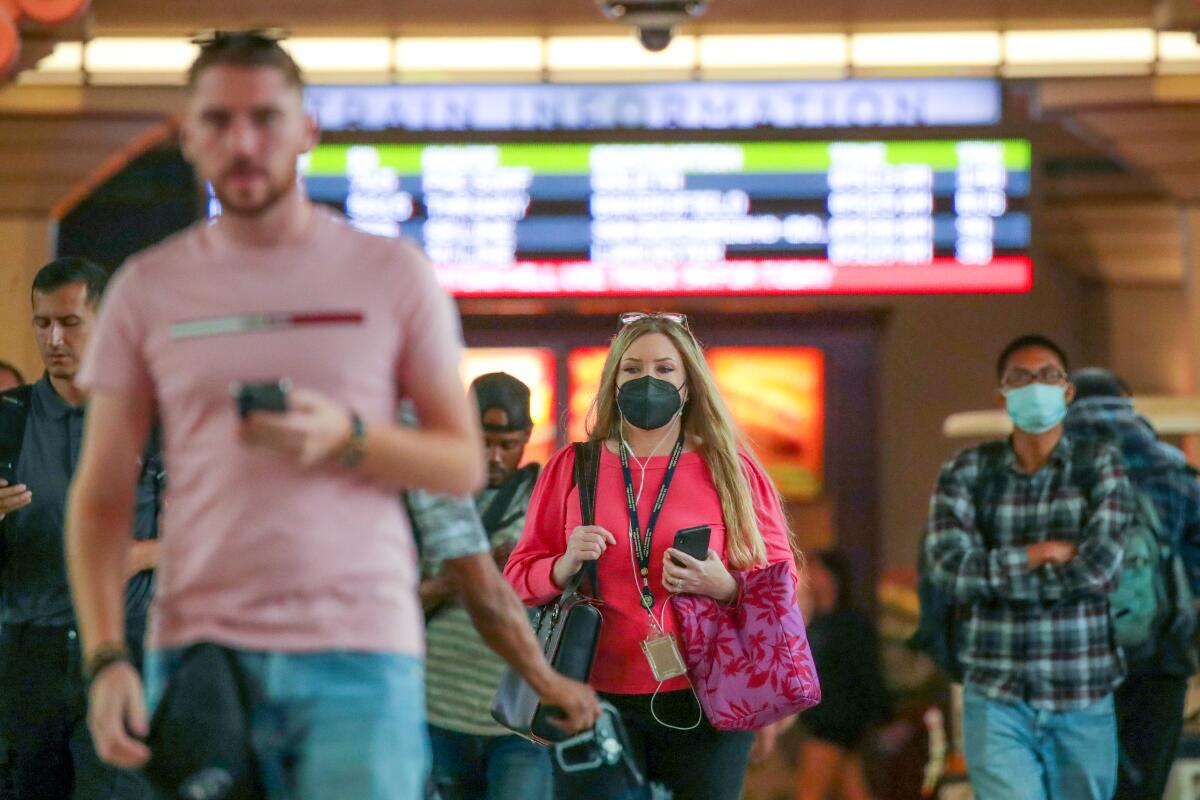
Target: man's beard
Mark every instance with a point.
(275, 193)
(497, 477)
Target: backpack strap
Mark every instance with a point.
(154, 467)
(14, 411)
(586, 476)
(412, 525)
(1083, 463)
(497, 517)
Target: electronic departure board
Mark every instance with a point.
(687, 218)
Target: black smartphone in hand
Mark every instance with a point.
(267, 396)
(693, 541)
(8, 473)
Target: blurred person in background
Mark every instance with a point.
(1150, 702)
(474, 758)
(43, 694)
(1027, 537)
(671, 458)
(10, 377)
(845, 647)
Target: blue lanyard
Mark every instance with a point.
(641, 545)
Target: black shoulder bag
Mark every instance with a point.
(200, 738)
(567, 629)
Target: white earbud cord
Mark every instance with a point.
(659, 621)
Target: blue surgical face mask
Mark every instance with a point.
(1038, 407)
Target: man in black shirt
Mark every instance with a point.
(42, 693)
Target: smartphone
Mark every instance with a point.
(8, 473)
(265, 396)
(693, 541)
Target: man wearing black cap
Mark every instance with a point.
(1150, 703)
(473, 757)
(504, 411)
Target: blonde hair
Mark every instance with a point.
(706, 421)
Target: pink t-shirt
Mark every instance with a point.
(258, 553)
(620, 666)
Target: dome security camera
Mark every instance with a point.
(655, 39)
(655, 20)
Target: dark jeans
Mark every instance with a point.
(701, 764)
(467, 767)
(43, 719)
(1149, 721)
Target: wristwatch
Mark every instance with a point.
(354, 450)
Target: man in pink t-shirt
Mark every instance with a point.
(283, 537)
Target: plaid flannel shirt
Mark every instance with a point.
(1042, 635)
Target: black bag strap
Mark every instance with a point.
(494, 520)
(14, 411)
(1083, 465)
(154, 466)
(586, 476)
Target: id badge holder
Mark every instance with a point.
(663, 655)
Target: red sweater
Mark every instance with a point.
(620, 666)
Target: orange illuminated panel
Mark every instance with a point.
(584, 365)
(775, 394)
(533, 366)
(777, 397)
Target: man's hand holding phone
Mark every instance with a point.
(300, 424)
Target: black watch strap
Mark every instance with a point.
(103, 658)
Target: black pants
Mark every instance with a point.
(702, 764)
(43, 719)
(1149, 721)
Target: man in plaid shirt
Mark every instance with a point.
(1028, 542)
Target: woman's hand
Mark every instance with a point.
(586, 543)
(690, 576)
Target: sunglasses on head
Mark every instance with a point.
(630, 317)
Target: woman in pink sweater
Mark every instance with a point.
(662, 421)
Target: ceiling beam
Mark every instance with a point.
(106, 101)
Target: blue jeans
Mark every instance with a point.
(1017, 752)
(332, 725)
(467, 767)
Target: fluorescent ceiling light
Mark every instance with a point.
(1178, 46)
(64, 65)
(1078, 51)
(602, 57)
(332, 59)
(1178, 52)
(130, 59)
(66, 57)
(786, 54)
(477, 54)
(950, 49)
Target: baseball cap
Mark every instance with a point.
(499, 390)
